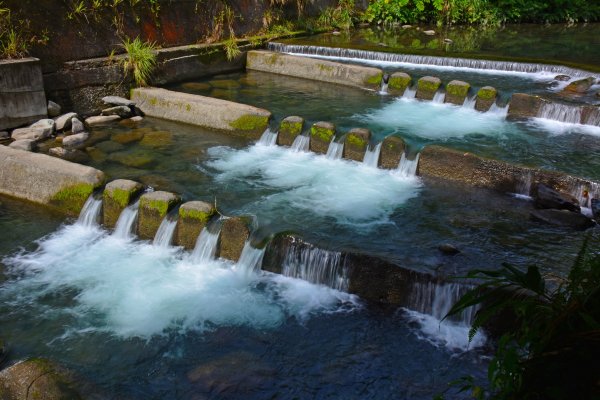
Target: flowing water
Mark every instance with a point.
(90, 214)
(165, 232)
(408, 168)
(126, 224)
(335, 150)
(371, 158)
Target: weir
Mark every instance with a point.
(206, 245)
(408, 168)
(335, 150)
(126, 224)
(301, 143)
(165, 233)
(372, 155)
(91, 212)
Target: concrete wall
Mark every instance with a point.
(22, 98)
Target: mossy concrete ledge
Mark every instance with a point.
(117, 195)
(311, 68)
(456, 92)
(321, 134)
(154, 206)
(486, 97)
(193, 217)
(47, 180)
(207, 112)
(356, 144)
(398, 83)
(427, 86)
(234, 234)
(289, 129)
(392, 149)
(524, 105)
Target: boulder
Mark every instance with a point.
(101, 120)
(356, 143)
(117, 101)
(121, 111)
(154, 206)
(406, 26)
(456, 92)
(562, 78)
(289, 129)
(596, 209)
(427, 86)
(157, 139)
(579, 86)
(547, 197)
(429, 32)
(128, 137)
(63, 122)
(398, 83)
(76, 140)
(35, 133)
(321, 134)
(193, 217)
(53, 109)
(134, 159)
(117, 195)
(486, 97)
(392, 149)
(234, 234)
(564, 218)
(69, 154)
(137, 118)
(524, 105)
(23, 144)
(77, 126)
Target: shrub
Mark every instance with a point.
(140, 59)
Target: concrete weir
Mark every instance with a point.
(319, 70)
(207, 112)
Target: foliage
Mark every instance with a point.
(232, 50)
(340, 17)
(551, 352)
(16, 35)
(140, 59)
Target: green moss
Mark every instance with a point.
(120, 196)
(250, 122)
(160, 206)
(374, 79)
(324, 134)
(487, 93)
(399, 82)
(458, 90)
(201, 216)
(71, 199)
(272, 59)
(188, 107)
(153, 101)
(326, 68)
(428, 85)
(357, 141)
(290, 128)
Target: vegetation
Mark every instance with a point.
(553, 347)
(140, 59)
(16, 35)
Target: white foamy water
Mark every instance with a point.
(165, 232)
(436, 120)
(268, 138)
(133, 289)
(347, 191)
(371, 158)
(561, 128)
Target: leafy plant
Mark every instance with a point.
(338, 17)
(16, 35)
(232, 50)
(552, 350)
(140, 59)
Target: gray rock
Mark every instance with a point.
(77, 126)
(75, 140)
(448, 249)
(446, 40)
(137, 118)
(69, 154)
(64, 121)
(53, 109)
(23, 144)
(38, 131)
(429, 33)
(565, 218)
(101, 120)
(121, 111)
(406, 26)
(596, 209)
(562, 78)
(4, 135)
(117, 101)
(580, 86)
(547, 197)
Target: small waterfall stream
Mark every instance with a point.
(165, 232)
(498, 110)
(439, 97)
(371, 157)
(206, 244)
(268, 138)
(251, 259)
(335, 150)
(524, 186)
(470, 102)
(436, 299)
(90, 213)
(561, 112)
(409, 93)
(408, 168)
(124, 228)
(301, 143)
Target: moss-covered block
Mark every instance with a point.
(321, 134)
(456, 92)
(356, 144)
(392, 149)
(398, 83)
(70, 199)
(193, 217)
(289, 129)
(486, 96)
(251, 126)
(427, 86)
(117, 195)
(154, 207)
(374, 81)
(234, 234)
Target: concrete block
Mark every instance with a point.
(154, 206)
(193, 217)
(289, 128)
(321, 134)
(117, 195)
(356, 143)
(392, 149)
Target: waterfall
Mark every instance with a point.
(592, 117)
(560, 112)
(251, 259)
(335, 150)
(206, 245)
(90, 213)
(371, 158)
(268, 138)
(409, 93)
(436, 299)
(126, 222)
(470, 102)
(301, 143)
(164, 234)
(408, 168)
(384, 88)
(439, 96)
(399, 58)
(584, 193)
(497, 110)
(307, 262)
(524, 186)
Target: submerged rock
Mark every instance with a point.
(448, 249)
(225, 84)
(96, 154)
(565, 218)
(109, 146)
(136, 159)
(548, 198)
(53, 109)
(562, 78)
(128, 137)
(579, 86)
(157, 139)
(196, 86)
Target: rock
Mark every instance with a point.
(289, 129)
(596, 209)
(392, 149)
(59, 152)
(97, 155)
(565, 218)
(234, 234)
(53, 109)
(63, 122)
(406, 26)
(39, 131)
(154, 206)
(427, 86)
(157, 139)
(448, 249)
(196, 86)
(547, 197)
(456, 92)
(321, 134)
(135, 159)
(121, 111)
(117, 101)
(76, 140)
(158, 182)
(127, 137)
(73, 155)
(579, 86)
(109, 146)
(137, 118)
(525, 105)
(23, 144)
(446, 40)
(429, 32)
(486, 97)
(117, 195)
(398, 83)
(356, 144)
(77, 126)
(193, 217)
(562, 78)
(336, 33)
(225, 84)
(101, 120)
(37, 379)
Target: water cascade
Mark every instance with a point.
(251, 259)
(384, 84)
(470, 102)
(315, 265)
(524, 187)
(371, 158)
(584, 194)
(377, 57)
(301, 143)
(561, 112)
(90, 213)
(268, 138)
(335, 150)
(124, 228)
(409, 93)
(165, 232)
(501, 111)
(408, 168)
(439, 97)
(206, 245)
